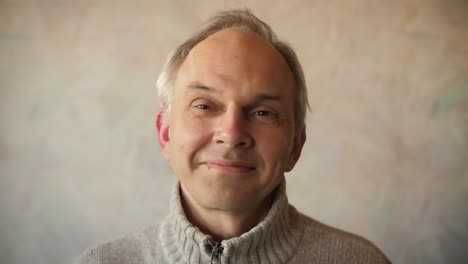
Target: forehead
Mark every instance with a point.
(239, 58)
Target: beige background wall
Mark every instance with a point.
(387, 149)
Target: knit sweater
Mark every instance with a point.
(284, 236)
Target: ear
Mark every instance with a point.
(299, 141)
(162, 129)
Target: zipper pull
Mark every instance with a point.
(216, 250)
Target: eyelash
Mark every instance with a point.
(202, 106)
(263, 115)
(268, 113)
(260, 112)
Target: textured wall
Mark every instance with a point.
(387, 147)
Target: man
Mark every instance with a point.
(234, 102)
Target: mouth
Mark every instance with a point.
(230, 166)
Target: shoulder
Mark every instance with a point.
(139, 247)
(323, 242)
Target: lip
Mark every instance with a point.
(231, 166)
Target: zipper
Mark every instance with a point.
(216, 250)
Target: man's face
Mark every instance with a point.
(230, 134)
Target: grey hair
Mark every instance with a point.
(241, 19)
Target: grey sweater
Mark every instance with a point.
(284, 236)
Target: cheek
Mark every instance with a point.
(275, 155)
(188, 136)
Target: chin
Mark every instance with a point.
(228, 199)
(228, 204)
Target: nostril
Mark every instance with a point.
(239, 139)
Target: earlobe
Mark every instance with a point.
(162, 129)
(299, 141)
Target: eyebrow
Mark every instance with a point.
(258, 97)
(201, 86)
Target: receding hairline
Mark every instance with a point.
(243, 20)
(235, 36)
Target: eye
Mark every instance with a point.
(202, 106)
(264, 116)
(263, 113)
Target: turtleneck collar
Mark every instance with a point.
(273, 240)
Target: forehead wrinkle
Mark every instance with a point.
(225, 59)
(260, 96)
(201, 87)
(255, 99)
(241, 46)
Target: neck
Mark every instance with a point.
(222, 224)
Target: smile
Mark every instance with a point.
(230, 166)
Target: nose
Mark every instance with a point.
(232, 130)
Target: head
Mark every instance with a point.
(233, 103)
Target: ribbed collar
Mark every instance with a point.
(274, 240)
